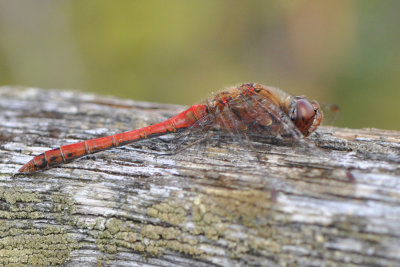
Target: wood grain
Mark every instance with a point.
(210, 205)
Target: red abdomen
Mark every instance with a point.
(70, 152)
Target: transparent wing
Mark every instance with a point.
(267, 121)
(262, 116)
(187, 137)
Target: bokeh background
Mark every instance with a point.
(177, 51)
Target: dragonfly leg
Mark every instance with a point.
(252, 147)
(174, 152)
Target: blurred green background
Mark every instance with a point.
(178, 51)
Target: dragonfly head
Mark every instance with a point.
(305, 115)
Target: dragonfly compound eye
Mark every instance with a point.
(303, 115)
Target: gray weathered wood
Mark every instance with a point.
(211, 206)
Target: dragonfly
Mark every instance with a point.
(248, 108)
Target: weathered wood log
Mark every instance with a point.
(337, 205)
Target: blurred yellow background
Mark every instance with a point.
(177, 51)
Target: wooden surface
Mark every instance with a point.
(209, 205)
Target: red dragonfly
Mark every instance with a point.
(242, 109)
